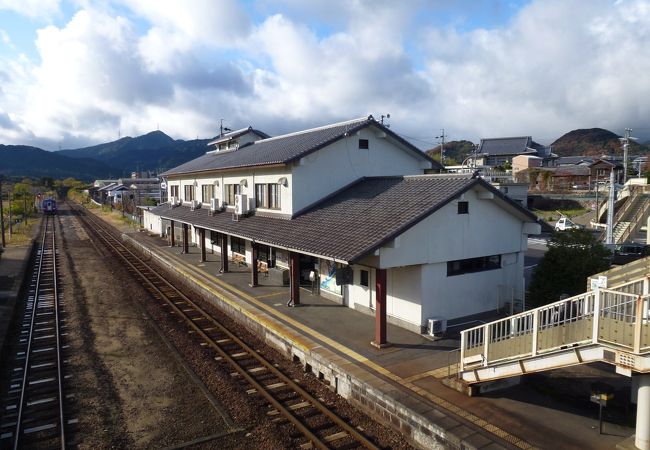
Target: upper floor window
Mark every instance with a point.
(274, 196)
(231, 191)
(267, 195)
(463, 208)
(207, 192)
(261, 196)
(364, 144)
(173, 191)
(189, 193)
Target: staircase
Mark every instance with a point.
(633, 218)
(610, 325)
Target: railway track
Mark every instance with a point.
(316, 425)
(34, 415)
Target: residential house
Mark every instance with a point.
(498, 152)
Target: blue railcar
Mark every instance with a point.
(49, 206)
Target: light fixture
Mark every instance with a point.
(243, 182)
(283, 181)
(216, 183)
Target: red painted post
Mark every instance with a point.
(294, 282)
(380, 309)
(224, 252)
(202, 239)
(254, 277)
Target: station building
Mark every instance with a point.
(359, 212)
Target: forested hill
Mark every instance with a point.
(455, 151)
(593, 142)
(25, 161)
(151, 151)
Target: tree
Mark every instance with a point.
(572, 257)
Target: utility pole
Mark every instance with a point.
(609, 236)
(11, 229)
(626, 145)
(442, 146)
(2, 220)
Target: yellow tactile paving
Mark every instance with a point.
(270, 295)
(406, 382)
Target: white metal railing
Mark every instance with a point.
(616, 317)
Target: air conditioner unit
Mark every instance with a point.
(214, 204)
(436, 326)
(194, 204)
(241, 204)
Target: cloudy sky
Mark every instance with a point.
(75, 73)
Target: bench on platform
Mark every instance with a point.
(239, 259)
(263, 267)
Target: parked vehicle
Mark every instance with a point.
(628, 252)
(564, 224)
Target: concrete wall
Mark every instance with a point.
(341, 163)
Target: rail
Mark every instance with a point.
(616, 318)
(41, 367)
(261, 374)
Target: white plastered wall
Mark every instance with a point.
(420, 257)
(332, 168)
(151, 222)
(250, 178)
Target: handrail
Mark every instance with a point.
(635, 219)
(613, 317)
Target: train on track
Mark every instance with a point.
(48, 206)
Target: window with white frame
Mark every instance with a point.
(231, 191)
(267, 195)
(274, 196)
(207, 192)
(189, 192)
(173, 191)
(261, 196)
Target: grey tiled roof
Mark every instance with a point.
(237, 133)
(506, 146)
(284, 149)
(573, 160)
(349, 225)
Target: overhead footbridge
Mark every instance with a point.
(610, 325)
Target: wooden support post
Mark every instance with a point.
(186, 246)
(171, 233)
(202, 239)
(294, 282)
(254, 275)
(380, 310)
(223, 238)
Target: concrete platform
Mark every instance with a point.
(13, 270)
(399, 385)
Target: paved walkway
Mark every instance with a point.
(13, 266)
(518, 417)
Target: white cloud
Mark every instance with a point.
(39, 9)
(556, 66)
